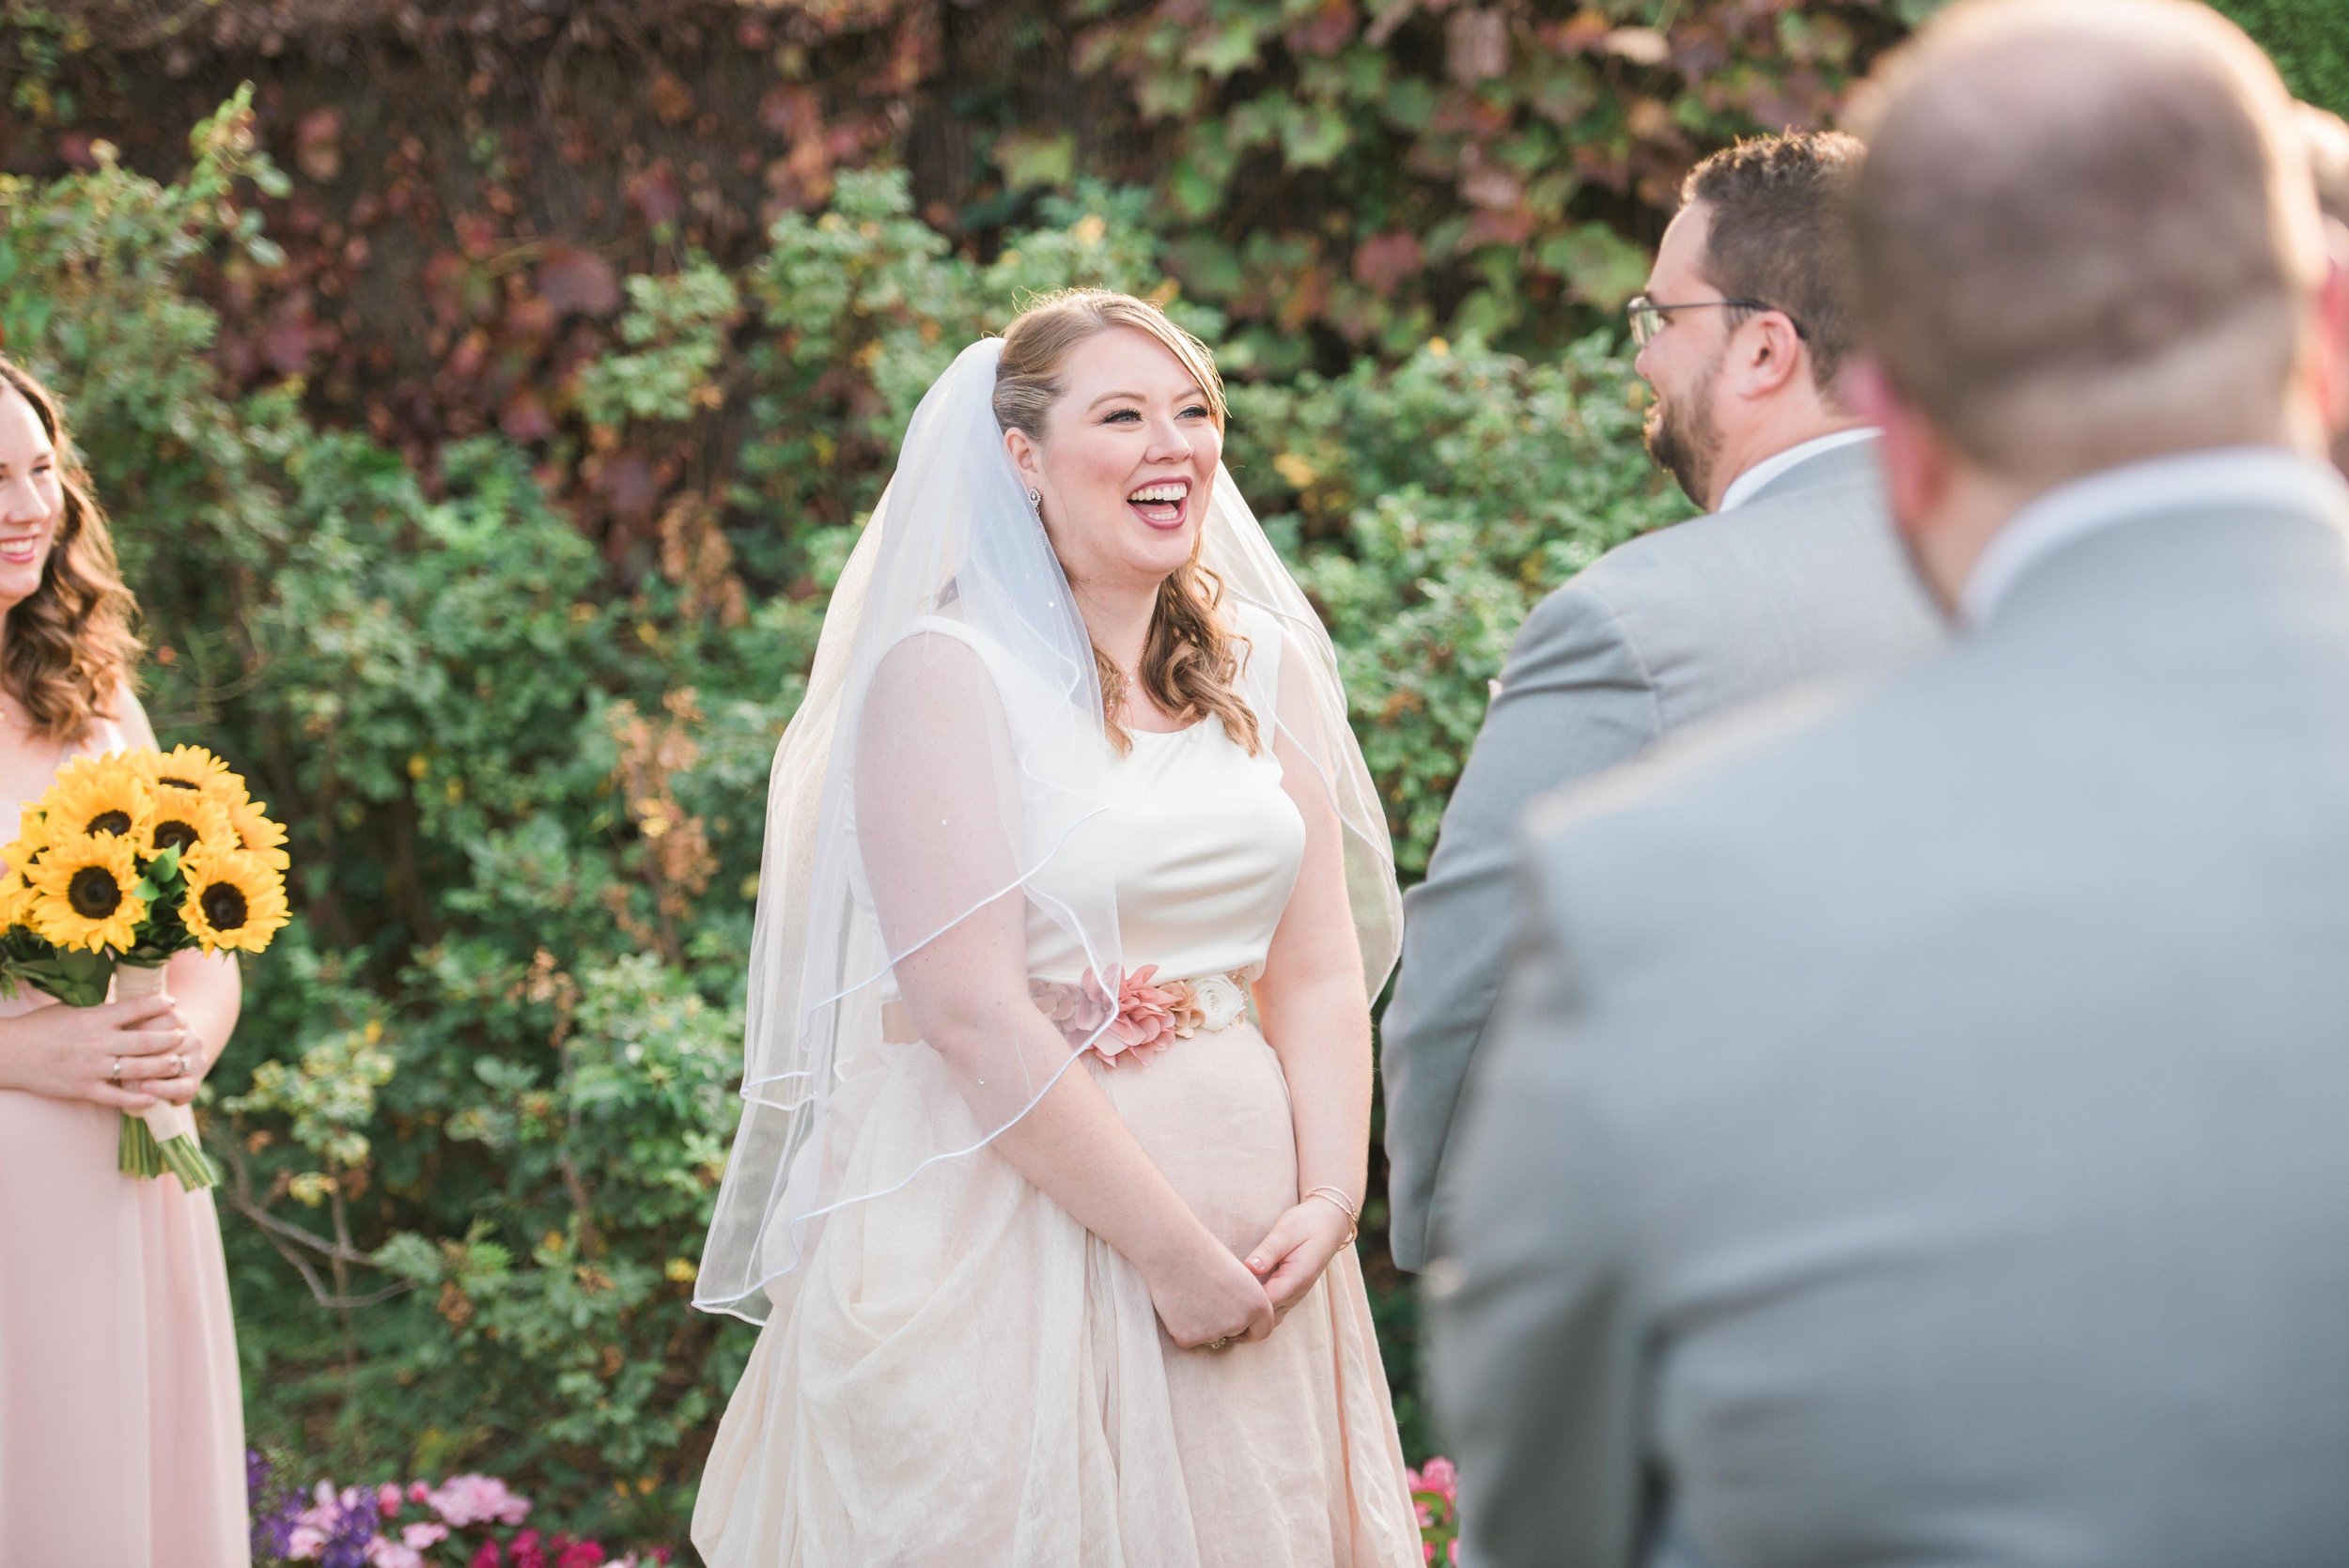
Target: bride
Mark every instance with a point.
(1075, 898)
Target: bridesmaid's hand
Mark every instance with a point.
(67, 1053)
(1299, 1246)
(1207, 1295)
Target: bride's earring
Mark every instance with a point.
(1035, 501)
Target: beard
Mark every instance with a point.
(1682, 439)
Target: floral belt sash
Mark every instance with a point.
(1143, 1017)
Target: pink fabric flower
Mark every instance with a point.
(1144, 1024)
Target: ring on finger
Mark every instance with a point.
(113, 1071)
(179, 1063)
(1218, 1345)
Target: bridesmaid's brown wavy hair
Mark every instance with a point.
(72, 647)
(1191, 661)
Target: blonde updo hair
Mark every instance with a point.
(1191, 660)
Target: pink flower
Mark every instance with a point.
(477, 1499)
(390, 1553)
(1146, 1020)
(388, 1498)
(488, 1557)
(423, 1535)
(1440, 1478)
(305, 1542)
(418, 1491)
(1080, 1011)
(578, 1554)
(525, 1551)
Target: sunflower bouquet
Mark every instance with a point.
(129, 858)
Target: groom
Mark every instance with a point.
(1794, 576)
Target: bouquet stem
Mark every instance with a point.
(163, 1137)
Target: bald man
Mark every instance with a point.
(1917, 1129)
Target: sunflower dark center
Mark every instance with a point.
(94, 892)
(175, 835)
(224, 906)
(110, 822)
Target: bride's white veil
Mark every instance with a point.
(951, 741)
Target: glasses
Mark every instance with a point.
(1648, 317)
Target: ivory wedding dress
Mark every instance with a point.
(957, 1373)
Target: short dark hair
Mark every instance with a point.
(1778, 231)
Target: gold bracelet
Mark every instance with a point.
(1345, 1206)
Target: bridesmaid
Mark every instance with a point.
(122, 1435)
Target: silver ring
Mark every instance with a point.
(113, 1072)
(1218, 1345)
(179, 1063)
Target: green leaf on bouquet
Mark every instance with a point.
(76, 978)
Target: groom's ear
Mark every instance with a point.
(1766, 353)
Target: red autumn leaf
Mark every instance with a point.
(1385, 261)
(578, 282)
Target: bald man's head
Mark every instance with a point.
(2084, 233)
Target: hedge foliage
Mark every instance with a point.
(501, 579)
(476, 1111)
(467, 184)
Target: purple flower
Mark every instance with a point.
(272, 1505)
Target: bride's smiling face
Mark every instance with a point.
(1126, 461)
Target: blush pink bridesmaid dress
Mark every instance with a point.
(122, 1428)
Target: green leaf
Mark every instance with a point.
(1312, 136)
(1033, 158)
(1224, 49)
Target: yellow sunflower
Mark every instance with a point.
(16, 899)
(109, 798)
(33, 830)
(85, 893)
(191, 769)
(260, 835)
(182, 821)
(235, 901)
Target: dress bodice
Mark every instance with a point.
(1201, 838)
(1206, 846)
